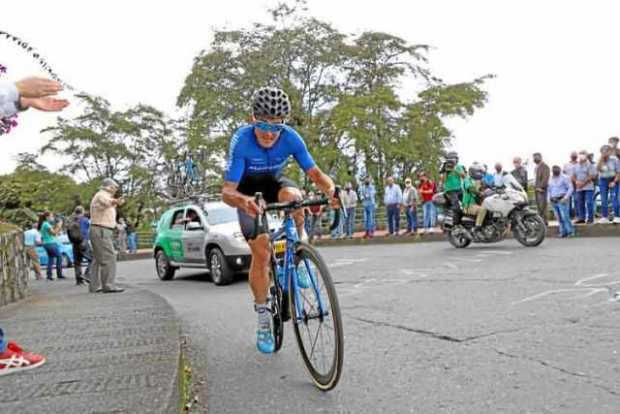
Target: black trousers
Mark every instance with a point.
(81, 251)
(454, 198)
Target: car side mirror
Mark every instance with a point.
(193, 226)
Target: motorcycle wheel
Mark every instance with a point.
(536, 231)
(460, 242)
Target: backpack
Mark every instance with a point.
(74, 231)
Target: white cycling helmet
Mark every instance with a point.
(268, 101)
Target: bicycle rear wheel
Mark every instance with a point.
(318, 324)
(275, 291)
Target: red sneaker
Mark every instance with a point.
(14, 359)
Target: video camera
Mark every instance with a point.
(448, 166)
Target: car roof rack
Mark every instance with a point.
(193, 199)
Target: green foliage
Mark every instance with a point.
(135, 147)
(343, 90)
(31, 189)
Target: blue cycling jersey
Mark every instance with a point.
(247, 158)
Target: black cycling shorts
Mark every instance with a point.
(270, 186)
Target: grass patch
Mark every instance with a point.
(186, 385)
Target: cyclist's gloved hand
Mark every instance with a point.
(251, 208)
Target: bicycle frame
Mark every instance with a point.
(289, 232)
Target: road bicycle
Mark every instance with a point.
(313, 311)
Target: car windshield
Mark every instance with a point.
(221, 215)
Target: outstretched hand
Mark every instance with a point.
(45, 104)
(37, 87)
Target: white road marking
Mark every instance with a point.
(582, 285)
(347, 262)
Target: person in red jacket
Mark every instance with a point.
(427, 190)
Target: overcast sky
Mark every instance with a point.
(557, 62)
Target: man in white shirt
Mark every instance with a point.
(349, 200)
(392, 199)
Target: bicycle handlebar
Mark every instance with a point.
(260, 222)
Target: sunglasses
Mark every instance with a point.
(267, 127)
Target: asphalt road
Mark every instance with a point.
(428, 329)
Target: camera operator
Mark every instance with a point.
(452, 175)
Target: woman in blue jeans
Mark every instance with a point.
(49, 231)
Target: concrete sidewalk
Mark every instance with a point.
(106, 353)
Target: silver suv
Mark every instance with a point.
(201, 235)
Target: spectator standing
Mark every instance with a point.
(49, 229)
(32, 239)
(613, 143)
(393, 198)
(584, 174)
(77, 231)
(103, 223)
(367, 194)
(498, 177)
(520, 173)
(410, 201)
(14, 97)
(568, 171)
(349, 199)
(132, 238)
(427, 191)
(121, 234)
(608, 168)
(560, 193)
(541, 184)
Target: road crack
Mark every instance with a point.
(565, 371)
(409, 329)
(435, 335)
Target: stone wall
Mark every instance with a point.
(14, 267)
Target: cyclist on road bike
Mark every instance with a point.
(258, 153)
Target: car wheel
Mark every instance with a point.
(221, 272)
(165, 271)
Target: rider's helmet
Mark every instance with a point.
(268, 101)
(476, 171)
(453, 155)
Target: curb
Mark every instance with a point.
(582, 230)
(106, 353)
(140, 255)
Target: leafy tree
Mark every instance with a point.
(343, 89)
(135, 147)
(31, 189)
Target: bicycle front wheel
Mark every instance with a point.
(316, 320)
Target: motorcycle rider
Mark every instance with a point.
(472, 186)
(452, 176)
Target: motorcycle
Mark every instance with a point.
(507, 210)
